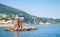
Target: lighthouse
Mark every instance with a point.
(17, 25)
(16, 20)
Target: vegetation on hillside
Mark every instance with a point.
(9, 13)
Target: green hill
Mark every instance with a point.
(11, 12)
(7, 13)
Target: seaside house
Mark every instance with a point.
(41, 22)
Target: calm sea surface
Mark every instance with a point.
(51, 30)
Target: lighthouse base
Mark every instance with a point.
(23, 29)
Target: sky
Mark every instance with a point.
(40, 8)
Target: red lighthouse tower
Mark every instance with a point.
(16, 20)
(17, 25)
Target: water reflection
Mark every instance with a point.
(16, 34)
(52, 30)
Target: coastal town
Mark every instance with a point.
(10, 21)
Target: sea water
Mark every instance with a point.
(44, 30)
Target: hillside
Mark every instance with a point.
(11, 12)
(7, 13)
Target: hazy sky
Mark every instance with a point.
(41, 8)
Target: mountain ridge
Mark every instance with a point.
(11, 12)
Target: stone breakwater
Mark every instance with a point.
(10, 27)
